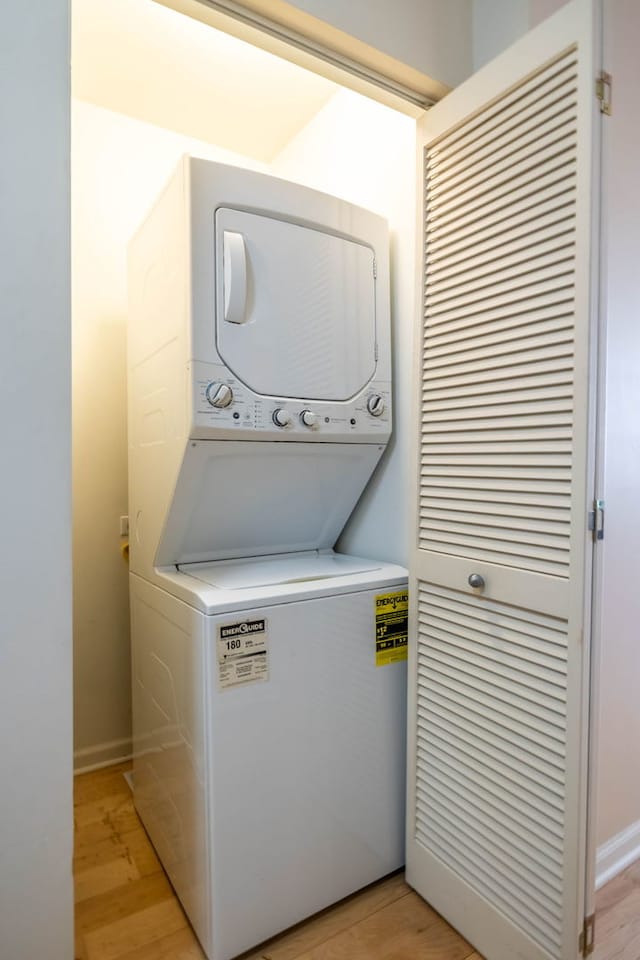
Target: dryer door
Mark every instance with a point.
(295, 307)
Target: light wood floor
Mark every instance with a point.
(618, 917)
(126, 908)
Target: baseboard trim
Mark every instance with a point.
(617, 854)
(102, 755)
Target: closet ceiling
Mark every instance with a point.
(141, 59)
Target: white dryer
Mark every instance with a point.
(268, 671)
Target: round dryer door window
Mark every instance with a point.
(295, 307)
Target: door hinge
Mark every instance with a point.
(375, 268)
(587, 937)
(604, 86)
(596, 520)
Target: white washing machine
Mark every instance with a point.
(268, 671)
(270, 747)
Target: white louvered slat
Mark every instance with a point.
(536, 135)
(496, 331)
(500, 781)
(529, 732)
(508, 506)
(528, 215)
(510, 173)
(555, 181)
(502, 833)
(482, 186)
(506, 115)
(546, 228)
(500, 461)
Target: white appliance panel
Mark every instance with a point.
(303, 772)
(169, 774)
(250, 416)
(235, 499)
(295, 307)
(307, 770)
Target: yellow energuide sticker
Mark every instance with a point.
(392, 611)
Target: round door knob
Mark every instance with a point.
(219, 394)
(375, 405)
(282, 418)
(309, 419)
(476, 581)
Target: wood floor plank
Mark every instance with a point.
(617, 889)
(124, 819)
(305, 936)
(402, 929)
(140, 850)
(437, 942)
(89, 834)
(140, 929)
(95, 811)
(91, 786)
(182, 945)
(79, 950)
(114, 905)
(101, 879)
(617, 932)
(99, 853)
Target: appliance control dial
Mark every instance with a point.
(282, 418)
(375, 405)
(219, 394)
(309, 419)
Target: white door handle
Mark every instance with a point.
(235, 277)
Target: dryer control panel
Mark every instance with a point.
(225, 408)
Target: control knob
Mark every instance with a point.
(375, 405)
(282, 418)
(309, 419)
(219, 394)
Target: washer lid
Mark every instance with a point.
(278, 570)
(295, 307)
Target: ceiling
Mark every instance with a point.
(143, 60)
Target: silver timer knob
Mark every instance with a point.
(219, 394)
(375, 405)
(282, 418)
(309, 419)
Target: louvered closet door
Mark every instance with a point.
(499, 705)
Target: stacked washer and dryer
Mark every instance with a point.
(268, 670)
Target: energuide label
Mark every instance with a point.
(242, 652)
(392, 612)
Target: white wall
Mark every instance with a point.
(119, 167)
(195, 80)
(618, 768)
(496, 24)
(35, 585)
(431, 36)
(499, 23)
(366, 153)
